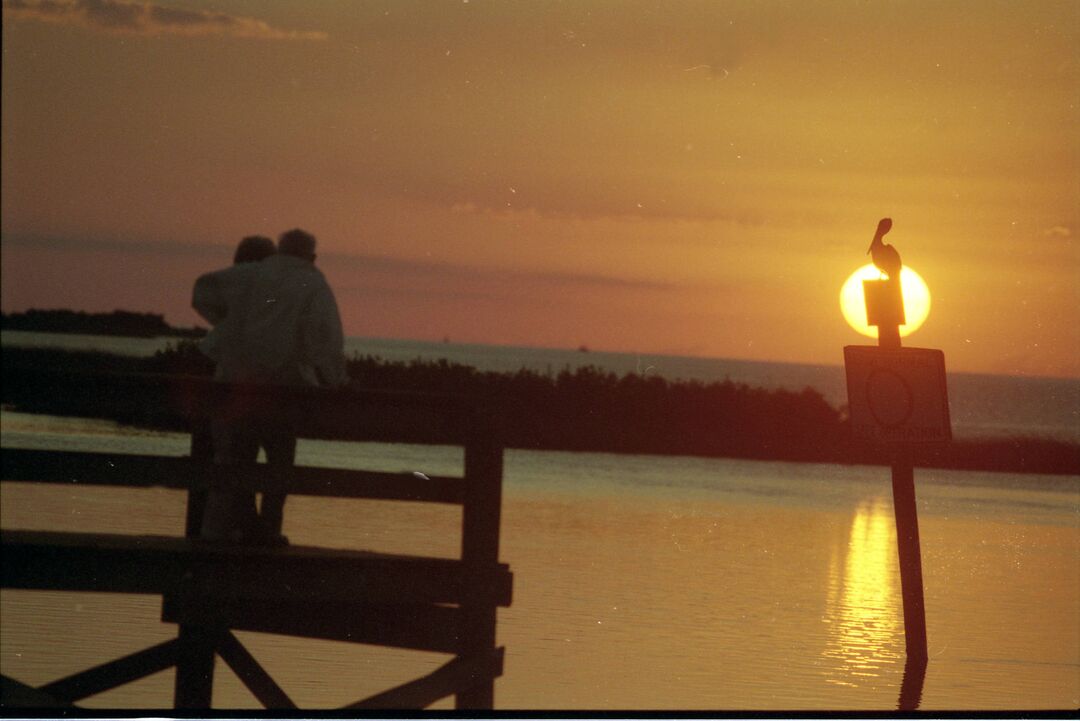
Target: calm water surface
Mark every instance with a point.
(640, 582)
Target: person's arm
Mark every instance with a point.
(324, 338)
(208, 298)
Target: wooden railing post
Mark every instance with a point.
(202, 453)
(480, 549)
(195, 667)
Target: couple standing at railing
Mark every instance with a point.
(274, 321)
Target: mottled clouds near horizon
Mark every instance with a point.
(145, 18)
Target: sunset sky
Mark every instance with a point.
(696, 178)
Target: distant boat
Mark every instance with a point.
(583, 349)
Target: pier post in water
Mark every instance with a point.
(885, 309)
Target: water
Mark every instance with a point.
(640, 582)
(980, 405)
(120, 345)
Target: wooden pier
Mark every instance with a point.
(210, 590)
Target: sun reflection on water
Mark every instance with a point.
(865, 634)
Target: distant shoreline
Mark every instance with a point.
(586, 409)
(120, 323)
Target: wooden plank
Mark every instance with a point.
(47, 560)
(114, 673)
(422, 627)
(444, 681)
(252, 674)
(100, 469)
(308, 481)
(143, 471)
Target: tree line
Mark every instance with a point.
(116, 323)
(591, 409)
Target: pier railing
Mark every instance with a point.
(210, 590)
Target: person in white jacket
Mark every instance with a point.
(251, 249)
(275, 322)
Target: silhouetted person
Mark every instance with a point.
(213, 294)
(279, 324)
(254, 248)
(210, 287)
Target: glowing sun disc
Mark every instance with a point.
(916, 300)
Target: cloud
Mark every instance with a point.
(1058, 231)
(434, 273)
(115, 245)
(570, 205)
(425, 273)
(146, 18)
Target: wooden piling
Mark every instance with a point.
(905, 508)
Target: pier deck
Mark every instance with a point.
(211, 589)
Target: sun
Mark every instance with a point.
(916, 300)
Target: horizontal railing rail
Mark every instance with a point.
(182, 473)
(116, 563)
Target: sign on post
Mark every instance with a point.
(884, 302)
(897, 394)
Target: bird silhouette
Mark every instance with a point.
(885, 257)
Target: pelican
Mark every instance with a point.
(885, 257)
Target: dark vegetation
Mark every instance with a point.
(587, 409)
(118, 322)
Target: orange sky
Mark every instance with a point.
(680, 177)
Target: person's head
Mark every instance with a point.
(297, 243)
(253, 249)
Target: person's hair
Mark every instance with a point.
(253, 248)
(296, 242)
